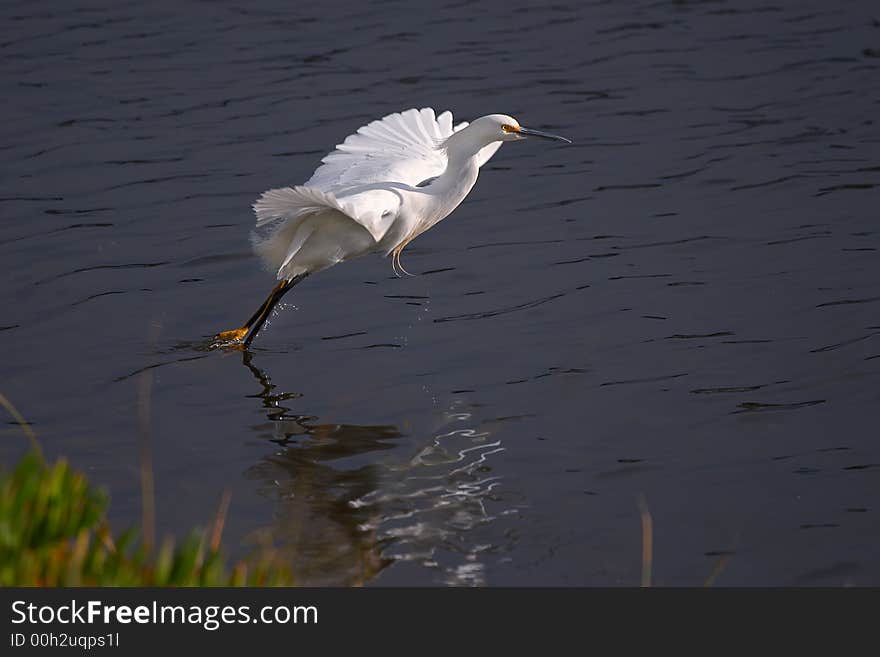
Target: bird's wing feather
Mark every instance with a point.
(487, 152)
(399, 148)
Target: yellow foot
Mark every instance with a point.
(235, 335)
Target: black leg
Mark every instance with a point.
(254, 324)
(259, 311)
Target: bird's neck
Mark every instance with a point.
(459, 177)
(462, 164)
(462, 146)
(449, 189)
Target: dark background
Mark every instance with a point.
(681, 307)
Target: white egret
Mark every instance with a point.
(381, 188)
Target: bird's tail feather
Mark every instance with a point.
(272, 243)
(280, 212)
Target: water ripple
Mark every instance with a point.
(500, 311)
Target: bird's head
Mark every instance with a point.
(500, 127)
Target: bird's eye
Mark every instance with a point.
(509, 128)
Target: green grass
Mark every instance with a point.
(54, 532)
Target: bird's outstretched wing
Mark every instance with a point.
(399, 148)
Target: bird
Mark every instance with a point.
(382, 187)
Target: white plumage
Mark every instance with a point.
(364, 179)
(382, 187)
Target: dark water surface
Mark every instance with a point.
(682, 306)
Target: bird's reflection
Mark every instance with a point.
(316, 474)
(345, 513)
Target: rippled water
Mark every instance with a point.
(682, 307)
